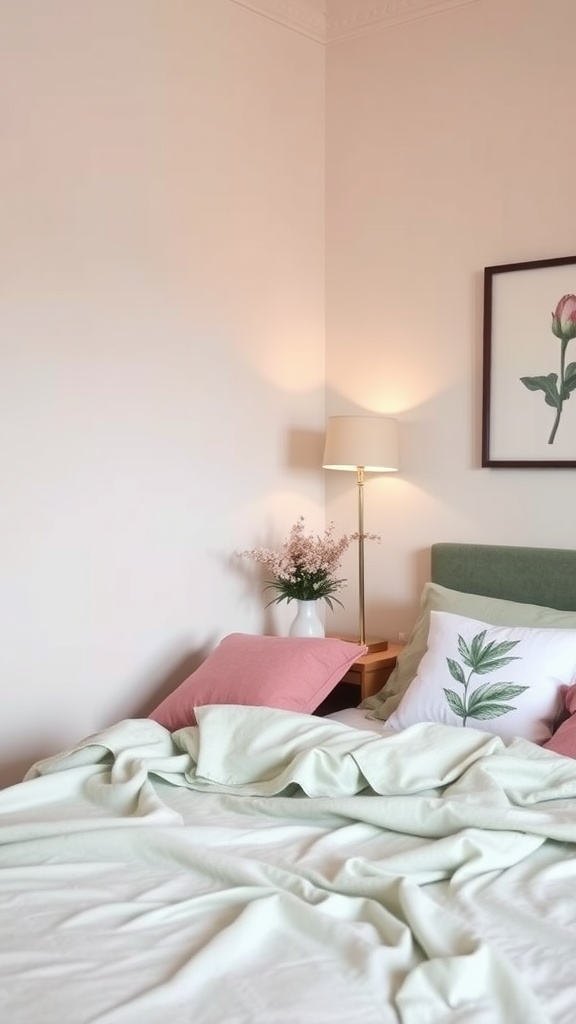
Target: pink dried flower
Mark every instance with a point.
(306, 567)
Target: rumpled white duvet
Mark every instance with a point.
(277, 868)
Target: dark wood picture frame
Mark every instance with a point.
(528, 375)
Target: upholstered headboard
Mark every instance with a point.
(543, 576)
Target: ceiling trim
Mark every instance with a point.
(299, 15)
(331, 21)
(347, 19)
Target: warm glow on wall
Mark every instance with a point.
(293, 361)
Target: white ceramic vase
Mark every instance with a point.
(307, 621)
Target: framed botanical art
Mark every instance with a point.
(529, 375)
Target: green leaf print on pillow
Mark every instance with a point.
(487, 700)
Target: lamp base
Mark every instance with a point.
(372, 643)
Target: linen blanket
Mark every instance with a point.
(270, 867)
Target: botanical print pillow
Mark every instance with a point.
(492, 610)
(500, 679)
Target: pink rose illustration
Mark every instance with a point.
(564, 318)
(557, 390)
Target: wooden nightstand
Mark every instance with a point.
(372, 671)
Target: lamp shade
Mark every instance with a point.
(370, 442)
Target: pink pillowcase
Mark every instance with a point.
(564, 739)
(292, 673)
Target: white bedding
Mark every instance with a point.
(356, 719)
(427, 877)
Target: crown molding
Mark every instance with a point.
(348, 18)
(331, 21)
(308, 17)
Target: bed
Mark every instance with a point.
(268, 865)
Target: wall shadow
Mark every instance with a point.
(12, 772)
(176, 675)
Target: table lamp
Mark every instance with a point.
(362, 444)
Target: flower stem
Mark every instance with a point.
(560, 393)
(465, 699)
(556, 424)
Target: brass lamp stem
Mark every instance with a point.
(360, 478)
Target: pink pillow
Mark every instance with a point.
(293, 673)
(564, 739)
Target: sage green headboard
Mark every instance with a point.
(544, 576)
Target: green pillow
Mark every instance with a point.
(472, 606)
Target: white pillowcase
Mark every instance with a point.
(500, 679)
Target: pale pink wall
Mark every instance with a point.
(449, 148)
(162, 334)
(162, 316)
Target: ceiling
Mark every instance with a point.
(329, 21)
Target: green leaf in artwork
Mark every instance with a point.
(490, 710)
(476, 647)
(469, 652)
(456, 671)
(494, 691)
(569, 380)
(492, 656)
(455, 703)
(548, 384)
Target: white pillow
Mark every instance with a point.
(505, 680)
(474, 606)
